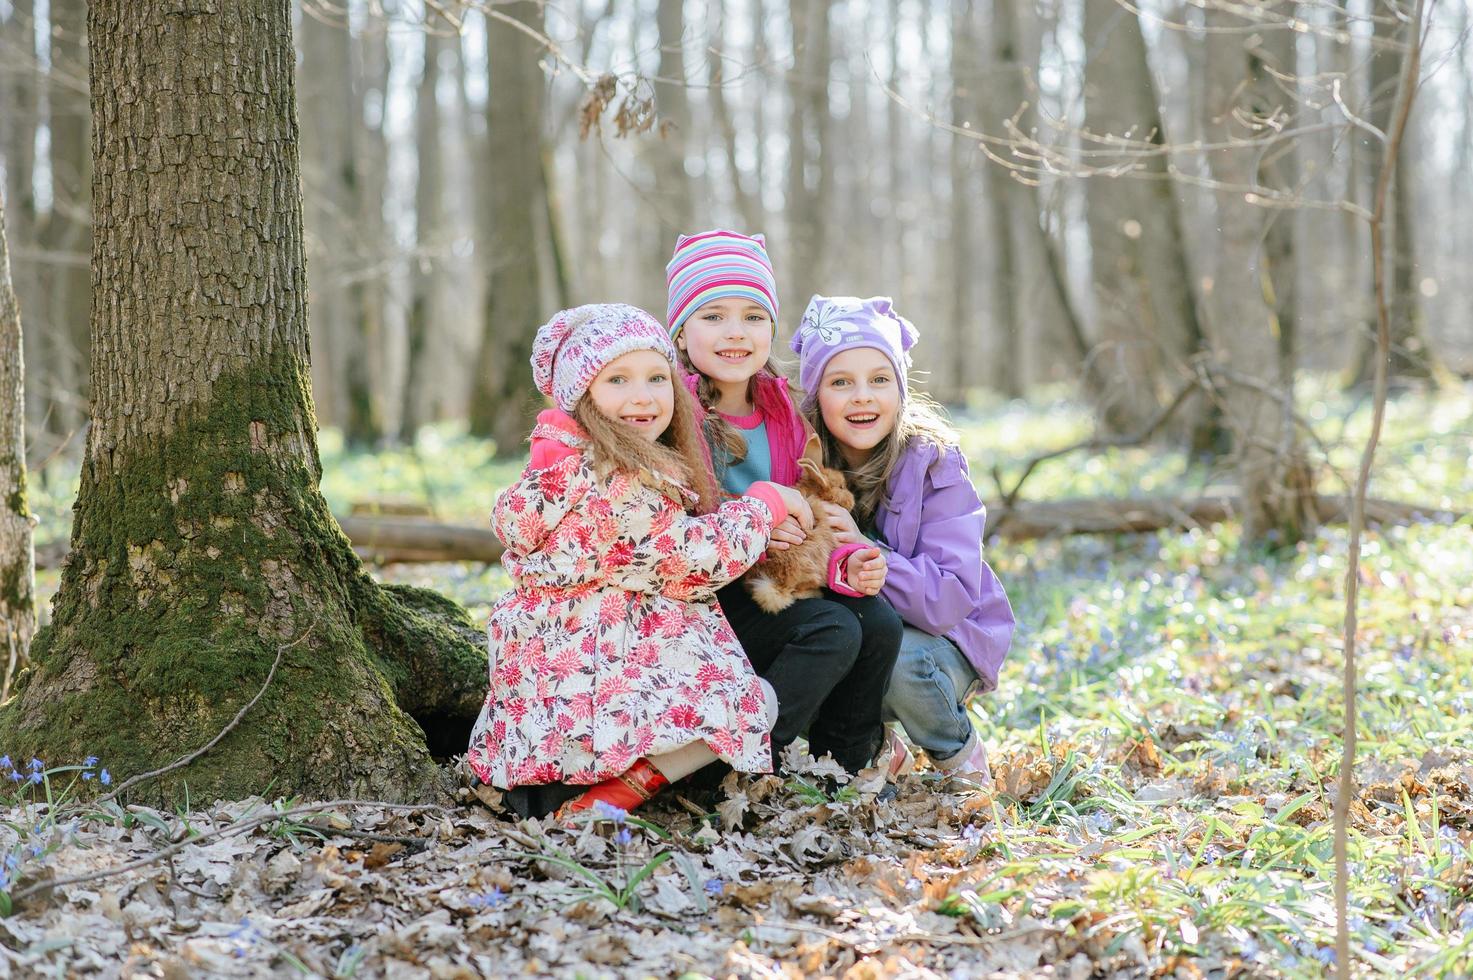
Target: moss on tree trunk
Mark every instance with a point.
(201, 545)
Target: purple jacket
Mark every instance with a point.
(932, 522)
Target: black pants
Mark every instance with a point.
(829, 660)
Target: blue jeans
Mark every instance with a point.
(930, 679)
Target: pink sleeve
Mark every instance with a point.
(836, 568)
(767, 493)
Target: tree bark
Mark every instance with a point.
(201, 546)
(1274, 481)
(17, 546)
(503, 398)
(1146, 311)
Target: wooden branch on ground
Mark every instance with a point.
(1059, 518)
(397, 539)
(387, 540)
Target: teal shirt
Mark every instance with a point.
(737, 477)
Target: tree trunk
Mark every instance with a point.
(201, 549)
(17, 548)
(20, 117)
(1411, 358)
(368, 279)
(66, 232)
(503, 399)
(808, 90)
(748, 204)
(429, 240)
(1274, 482)
(672, 184)
(330, 178)
(1146, 312)
(1279, 170)
(1018, 210)
(950, 363)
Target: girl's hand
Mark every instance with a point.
(865, 571)
(786, 534)
(798, 508)
(836, 517)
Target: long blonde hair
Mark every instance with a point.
(678, 455)
(920, 419)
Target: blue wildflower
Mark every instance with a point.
(5, 761)
(36, 777)
(90, 761)
(715, 886)
(1325, 954)
(15, 777)
(971, 834)
(106, 777)
(623, 836)
(495, 898)
(86, 775)
(37, 765)
(610, 812)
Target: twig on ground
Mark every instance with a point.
(185, 760)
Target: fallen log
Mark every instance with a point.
(386, 540)
(1059, 518)
(406, 539)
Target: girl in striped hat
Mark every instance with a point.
(829, 659)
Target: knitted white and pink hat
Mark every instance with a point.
(575, 345)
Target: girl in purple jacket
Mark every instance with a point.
(915, 499)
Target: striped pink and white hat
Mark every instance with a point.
(715, 265)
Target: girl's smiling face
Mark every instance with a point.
(727, 340)
(859, 400)
(636, 389)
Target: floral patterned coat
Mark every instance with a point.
(611, 645)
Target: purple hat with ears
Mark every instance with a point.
(834, 324)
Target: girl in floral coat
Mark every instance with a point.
(613, 671)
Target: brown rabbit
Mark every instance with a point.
(799, 572)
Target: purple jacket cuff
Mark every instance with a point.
(836, 568)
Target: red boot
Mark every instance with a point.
(625, 791)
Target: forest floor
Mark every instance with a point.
(1165, 739)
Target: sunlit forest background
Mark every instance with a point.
(1027, 181)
